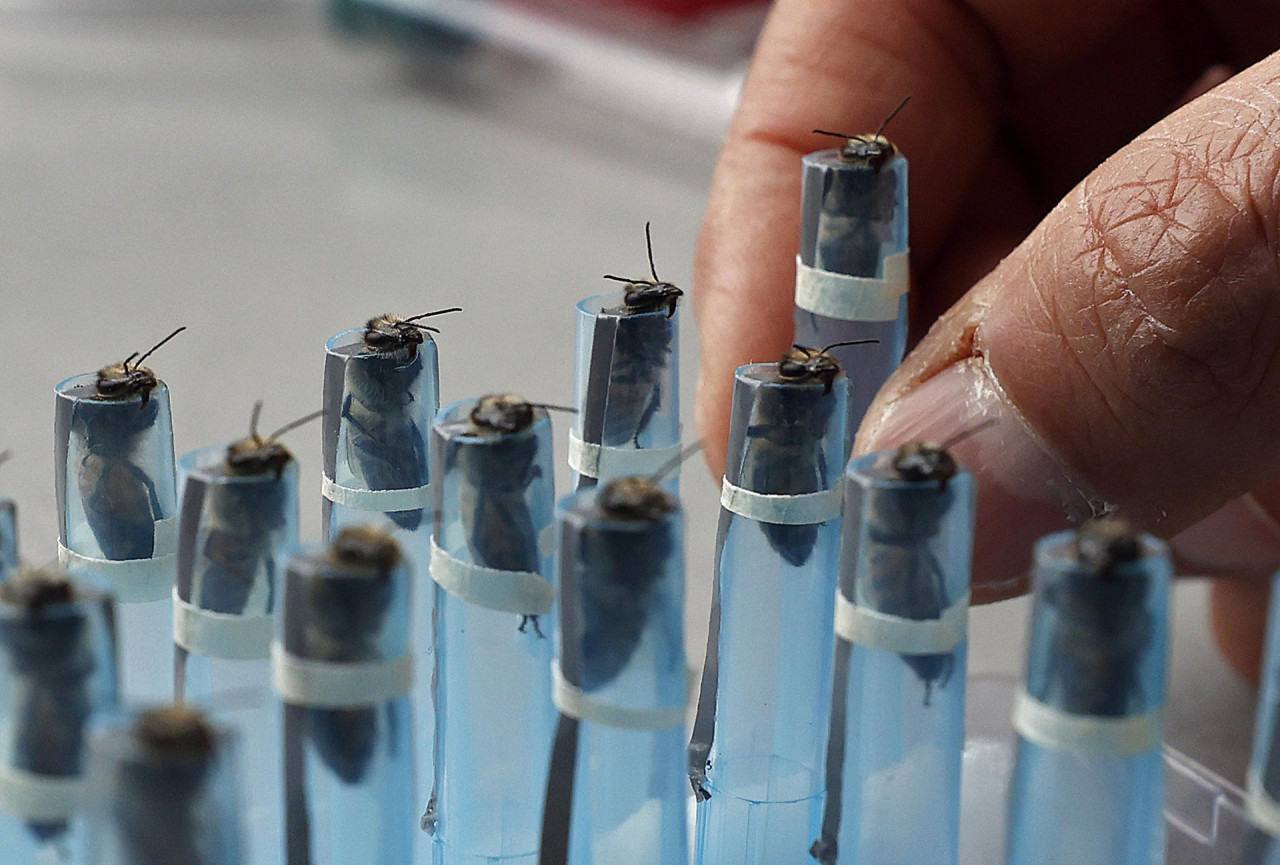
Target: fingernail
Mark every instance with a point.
(1024, 491)
(1238, 539)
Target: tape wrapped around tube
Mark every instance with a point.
(800, 509)
(339, 684)
(376, 501)
(854, 298)
(133, 581)
(604, 461)
(39, 798)
(573, 702)
(1057, 730)
(902, 636)
(232, 636)
(523, 592)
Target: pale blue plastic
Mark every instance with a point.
(905, 552)
(402, 407)
(8, 537)
(1067, 806)
(1264, 766)
(154, 809)
(235, 537)
(57, 678)
(128, 445)
(357, 803)
(494, 717)
(853, 217)
(626, 378)
(777, 588)
(621, 639)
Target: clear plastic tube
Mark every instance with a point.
(495, 720)
(116, 516)
(854, 223)
(897, 715)
(618, 789)
(343, 669)
(238, 528)
(758, 744)
(163, 792)
(1087, 786)
(8, 538)
(57, 654)
(1262, 846)
(626, 389)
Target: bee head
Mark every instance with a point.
(648, 295)
(802, 364)
(872, 151)
(502, 413)
(919, 462)
(365, 546)
(120, 381)
(635, 498)
(256, 456)
(1103, 544)
(174, 732)
(387, 334)
(32, 588)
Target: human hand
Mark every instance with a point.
(1129, 343)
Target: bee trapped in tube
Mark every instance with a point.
(163, 792)
(381, 393)
(491, 562)
(625, 388)
(852, 270)
(343, 669)
(616, 790)
(57, 653)
(900, 623)
(756, 753)
(116, 505)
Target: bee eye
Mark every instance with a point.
(791, 369)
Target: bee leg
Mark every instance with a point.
(525, 621)
(647, 415)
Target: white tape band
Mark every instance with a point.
(1261, 808)
(853, 298)
(795, 510)
(572, 702)
(900, 635)
(133, 581)
(338, 684)
(607, 462)
(1055, 729)
(521, 592)
(39, 798)
(377, 501)
(220, 635)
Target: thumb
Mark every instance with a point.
(1129, 348)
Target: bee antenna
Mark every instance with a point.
(617, 278)
(437, 312)
(426, 327)
(549, 407)
(834, 134)
(968, 433)
(127, 359)
(672, 464)
(804, 348)
(892, 114)
(648, 242)
(253, 420)
(156, 346)
(294, 424)
(848, 342)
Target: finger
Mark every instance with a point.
(1128, 348)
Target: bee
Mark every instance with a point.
(782, 451)
(385, 448)
(630, 350)
(872, 151)
(494, 508)
(1103, 627)
(120, 500)
(160, 804)
(48, 656)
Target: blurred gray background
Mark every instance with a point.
(242, 171)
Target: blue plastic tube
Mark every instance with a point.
(618, 790)
(57, 651)
(851, 274)
(238, 527)
(1088, 780)
(492, 567)
(116, 512)
(897, 714)
(8, 538)
(756, 757)
(163, 792)
(626, 386)
(343, 669)
(1262, 844)
(381, 394)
